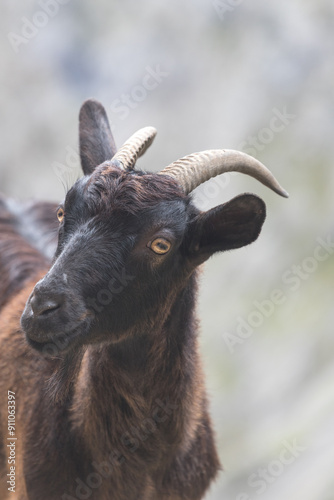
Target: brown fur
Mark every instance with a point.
(152, 459)
(119, 411)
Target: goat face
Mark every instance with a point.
(128, 243)
(118, 257)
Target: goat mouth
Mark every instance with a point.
(58, 344)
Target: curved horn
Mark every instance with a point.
(191, 171)
(134, 147)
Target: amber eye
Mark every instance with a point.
(160, 246)
(60, 214)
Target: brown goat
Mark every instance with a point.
(103, 366)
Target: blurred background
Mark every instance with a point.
(256, 76)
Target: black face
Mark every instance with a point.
(120, 254)
(128, 242)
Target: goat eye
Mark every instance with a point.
(160, 246)
(60, 214)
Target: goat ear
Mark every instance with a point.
(96, 140)
(231, 225)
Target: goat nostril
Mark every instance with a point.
(48, 309)
(42, 307)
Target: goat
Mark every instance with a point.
(109, 390)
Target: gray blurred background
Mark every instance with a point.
(256, 76)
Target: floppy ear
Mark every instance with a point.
(231, 225)
(96, 140)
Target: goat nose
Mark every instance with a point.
(44, 306)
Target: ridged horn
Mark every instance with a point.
(134, 147)
(191, 171)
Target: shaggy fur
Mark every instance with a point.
(104, 363)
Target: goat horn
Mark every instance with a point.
(191, 171)
(134, 147)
